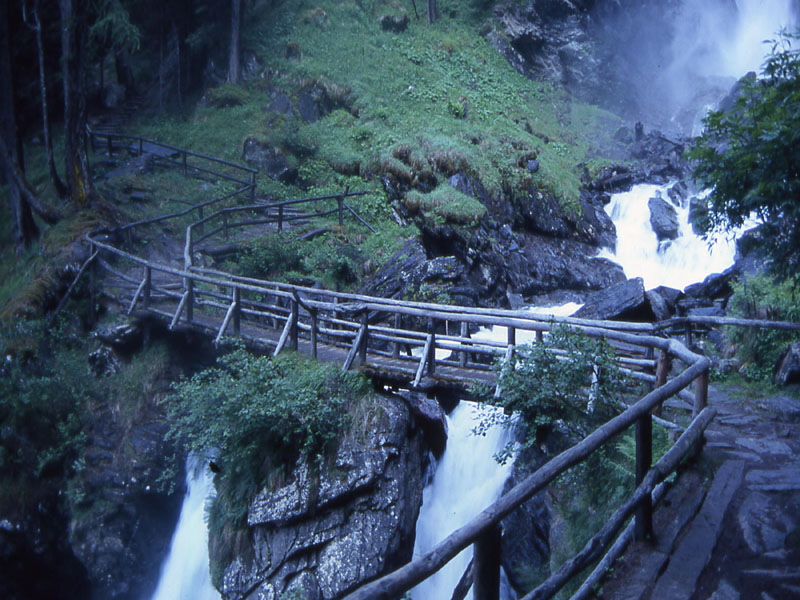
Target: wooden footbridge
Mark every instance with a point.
(414, 345)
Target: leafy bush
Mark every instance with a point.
(271, 256)
(44, 388)
(257, 414)
(568, 385)
(762, 297)
(448, 203)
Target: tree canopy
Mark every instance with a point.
(750, 156)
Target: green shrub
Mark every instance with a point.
(258, 414)
(271, 256)
(761, 297)
(570, 384)
(44, 389)
(447, 203)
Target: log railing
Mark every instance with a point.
(419, 342)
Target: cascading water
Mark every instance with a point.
(185, 573)
(678, 263)
(467, 480)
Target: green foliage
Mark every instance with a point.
(271, 256)
(570, 384)
(446, 202)
(750, 155)
(44, 389)
(762, 297)
(258, 414)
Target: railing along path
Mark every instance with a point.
(409, 344)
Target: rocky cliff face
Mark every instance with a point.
(324, 533)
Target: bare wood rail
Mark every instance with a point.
(372, 332)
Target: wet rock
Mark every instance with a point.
(716, 286)
(281, 104)
(103, 362)
(268, 160)
(443, 268)
(123, 522)
(532, 165)
(121, 337)
(787, 369)
(432, 419)
(394, 23)
(321, 536)
(625, 300)
(307, 108)
(659, 305)
(663, 219)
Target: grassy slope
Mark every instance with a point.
(433, 96)
(420, 105)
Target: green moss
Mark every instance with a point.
(447, 203)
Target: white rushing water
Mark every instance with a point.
(185, 574)
(677, 263)
(467, 480)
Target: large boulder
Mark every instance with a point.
(663, 219)
(325, 533)
(268, 160)
(625, 300)
(787, 369)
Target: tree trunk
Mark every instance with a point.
(433, 11)
(233, 57)
(23, 227)
(74, 35)
(60, 187)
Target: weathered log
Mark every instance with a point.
(406, 577)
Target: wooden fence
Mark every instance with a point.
(415, 343)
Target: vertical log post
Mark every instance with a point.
(140, 147)
(431, 358)
(688, 335)
(700, 393)
(92, 285)
(643, 528)
(280, 218)
(253, 186)
(539, 336)
(185, 167)
(396, 345)
(662, 370)
(462, 360)
(340, 204)
(189, 285)
(148, 278)
(237, 311)
(110, 146)
(225, 225)
(486, 566)
(313, 312)
(362, 350)
(294, 331)
(512, 336)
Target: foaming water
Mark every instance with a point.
(678, 263)
(185, 574)
(466, 481)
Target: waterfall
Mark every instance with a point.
(467, 480)
(677, 263)
(185, 574)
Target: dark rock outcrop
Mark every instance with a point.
(122, 531)
(625, 300)
(322, 535)
(270, 161)
(787, 369)
(663, 219)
